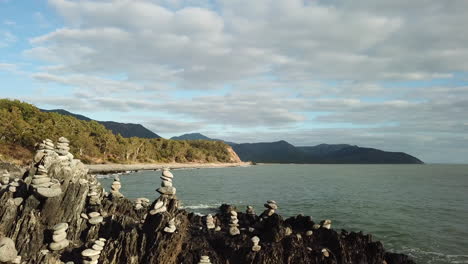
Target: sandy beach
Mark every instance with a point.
(108, 168)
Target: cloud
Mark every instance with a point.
(7, 38)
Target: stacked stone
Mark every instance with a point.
(116, 185)
(233, 224)
(250, 210)
(93, 195)
(271, 207)
(44, 185)
(255, 241)
(210, 222)
(166, 190)
(13, 185)
(204, 260)
(95, 218)
(170, 228)
(141, 202)
(5, 180)
(91, 255)
(47, 146)
(59, 237)
(7, 250)
(63, 150)
(326, 224)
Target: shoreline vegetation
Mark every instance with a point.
(111, 168)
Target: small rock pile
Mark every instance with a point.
(93, 195)
(95, 218)
(44, 185)
(47, 146)
(204, 260)
(141, 202)
(250, 210)
(210, 222)
(59, 237)
(271, 207)
(63, 150)
(166, 190)
(233, 224)
(91, 255)
(255, 241)
(7, 250)
(170, 228)
(116, 185)
(326, 224)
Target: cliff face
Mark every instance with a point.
(159, 232)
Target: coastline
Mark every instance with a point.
(110, 168)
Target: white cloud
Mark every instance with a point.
(7, 38)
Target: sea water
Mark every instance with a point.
(419, 210)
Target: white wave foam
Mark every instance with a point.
(201, 206)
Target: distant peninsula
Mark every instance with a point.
(284, 152)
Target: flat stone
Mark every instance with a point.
(14, 184)
(233, 213)
(99, 243)
(40, 180)
(309, 233)
(85, 216)
(89, 252)
(12, 189)
(271, 206)
(167, 190)
(256, 248)
(97, 247)
(49, 192)
(90, 261)
(271, 201)
(170, 229)
(255, 239)
(325, 253)
(166, 184)
(7, 250)
(94, 214)
(165, 178)
(167, 173)
(59, 237)
(96, 220)
(218, 228)
(233, 231)
(63, 140)
(61, 227)
(59, 245)
(102, 239)
(18, 201)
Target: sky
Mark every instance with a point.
(386, 74)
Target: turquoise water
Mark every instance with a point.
(420, 210)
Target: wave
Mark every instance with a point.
(432, 257)
(201, 206)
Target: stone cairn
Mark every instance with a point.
(141, 202)
(233, 224)
(166, 190)
(44, 185)
(5, 180)
(95, 218)
(255, 241)
(210, 222)
(7, 250)
(326, 224)
(63, 150)
(93, 195)
(250, 210)
(47, 146)
(170, 228)
(271, 207)
(116, 185)
(204, 260)
(91, 255)
(59, 237)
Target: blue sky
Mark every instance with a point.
(384, 74)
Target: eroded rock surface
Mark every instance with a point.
(129, 234)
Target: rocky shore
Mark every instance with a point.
(84, 224)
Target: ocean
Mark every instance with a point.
(419, 210)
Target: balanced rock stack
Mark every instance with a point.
(59, 237)
(166, 190)
(116, 185)
(204, 260)
(141, 202)
(170, 228)
(250, 210)
(44, 185)
(271, 207)
(233, 224)
(95, 218)
(94, 195)
(7, 250)
(255, 241)
(63, 150)
(47, 146)
(91, 255)
(210, 222)
(5, 179)
(326, 224)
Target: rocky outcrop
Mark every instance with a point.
(84, 224)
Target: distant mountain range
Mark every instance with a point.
(284, 152)
(126, 130)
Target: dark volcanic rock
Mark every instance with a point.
(135, 236)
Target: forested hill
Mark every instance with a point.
(24, 125)
(126, 130)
